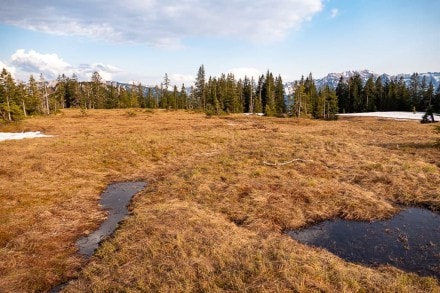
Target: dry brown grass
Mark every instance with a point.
(213, 214)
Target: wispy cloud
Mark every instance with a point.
(162, 23)
(24, 63)
(334, 12)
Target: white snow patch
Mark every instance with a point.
(258, 114)
(391, 115)
(21, 135)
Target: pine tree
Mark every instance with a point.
(269, 95)
(239, 97)
(369, 95)
(34, 105)
(414, 90)
(330, 107)
(173, 98)
(96, 98)
(298, 107)
(436, 101)
(73, 93)
(429, 94)
(22, 95)
(249, 95)
(44, 95)
(280, 102)
(183, 98)
(379, 94)
(343, 96)
(355, 91)
(199, 88)
(259, 105)
(311, 95)
(230, 94)
(403, 102)
(9, 108)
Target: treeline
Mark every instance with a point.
(217, 95)
(213, 95)
(394, 95)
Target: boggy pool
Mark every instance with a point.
(115, 199)
(410, 240)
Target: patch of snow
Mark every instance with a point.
(258, 114)
(21, 135)
(391, 115)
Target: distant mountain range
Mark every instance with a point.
(332, 79)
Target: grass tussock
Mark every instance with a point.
(212, 216)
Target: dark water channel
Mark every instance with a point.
(410, 240)
(115, 200)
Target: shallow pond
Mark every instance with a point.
(410, 240)
(115, 199)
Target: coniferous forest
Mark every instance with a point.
(218, 95)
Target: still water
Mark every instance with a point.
(115, 200)
(410, 240)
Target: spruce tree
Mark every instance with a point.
(298, 107)
(183, 99)
(9, 108)
(269, 94)
(368, 96)
(379, 94)
(355, 91)
(330, 107)
(436, 101)
(34, 105)
(342, 93)
(45, 106)
(403, 102)
(199, 88)
(414, 90)
(429, 94)
(280, 102)
(311, 95)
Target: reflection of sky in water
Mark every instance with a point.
(410, 240)
(115, 200)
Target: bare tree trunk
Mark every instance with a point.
(46, 97)
(251, 102)
(9, 109)
(24, 108)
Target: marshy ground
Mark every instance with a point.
(221, 192)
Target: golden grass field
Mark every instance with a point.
(213, 214)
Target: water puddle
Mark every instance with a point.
(410, 241)
(115, 199)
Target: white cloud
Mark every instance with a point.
(10, 69)
(334, 12)
(51, 65)
(179, 79)
(162, 23)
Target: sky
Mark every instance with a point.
(142, 40)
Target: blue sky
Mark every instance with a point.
(141, 40)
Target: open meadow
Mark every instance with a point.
(221, 193)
